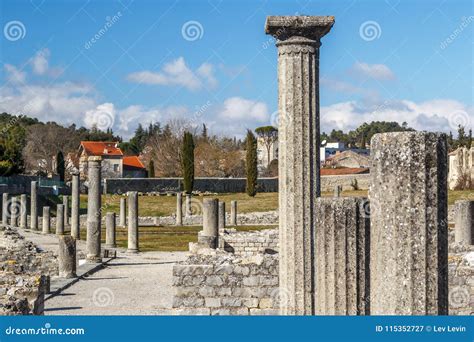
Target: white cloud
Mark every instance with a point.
(376, 71)
(101, 117)
(177, 72)
(39, 62)
(14, 75)
(238, 108)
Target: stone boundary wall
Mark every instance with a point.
(221, 185)
(222, 284)
(251, 243)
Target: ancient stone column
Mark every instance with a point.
(342, 256)
(14, 211)
(110, 230)
(24, 211)
(337, 191)
(187, 209)
(66, 210)
(409, 230)
(179, 209)
(5, 209)
(464, 222)
(34, 206)
(75, 207)
(60, 219)
(298, 42)
(233, 213)
(133, 222)
(46, 226)
(123, 212)
(221, 217)
(94, 209)
(67, 256)
(210, 230)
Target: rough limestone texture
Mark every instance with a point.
(220, 283)
(67, 256)
(46, 227)
(233, 213)
(14, 211)
(464, 222)
(132, 222)
(75, 206)
(24, 211)
(250, 243)
(222, 215)
(298, 42)
(34, 206)
(210, 227)
(123, 212)
(408, 214)
(110, 231)
(60, 219)
(342, 256)
(93, 210)
(66, 210)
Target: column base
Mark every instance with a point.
(93, 259)
(207, 241)
(133, 251)
(68, 275)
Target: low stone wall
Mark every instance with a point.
(223, 284)
(328, 183)
(251, 243)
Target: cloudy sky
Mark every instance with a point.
(120, 63)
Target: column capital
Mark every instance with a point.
(298, 29)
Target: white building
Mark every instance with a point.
(461, 168)
(265, 155)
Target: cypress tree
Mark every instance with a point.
(151, 169)
(187, 162)
(60, 167)
(251, 164)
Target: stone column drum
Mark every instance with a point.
(409, 231)
(110, 230)
(66, 210)
(123, 212)
(34, 206)
(233, 213)
(46, 218)
(24, 211)
(221, 218)
(342, 256)
(67, 256)
(179, 209)
(60, 219)
(210, 230)
(94, 210)
(75, 207)
(14, 211)
(187, 209)
(5, 209)
(133, 222)
(464, 222)
(298, 42)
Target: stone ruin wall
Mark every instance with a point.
(251, 243)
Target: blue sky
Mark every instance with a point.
(118, 63)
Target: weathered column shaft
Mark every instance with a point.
(60, 219)
(46, 226)
(337, 191)
(94, 210)
(24, 211)
(34, 206)
(342, 256)
(66, 210)
(123, 212)
(75, 207)
(221, 218)
(233, 213)
(5, 209)
(110, 230)
(14, 211)
(187, 209)
(133, 222)
(210, 229)
(179, 209)
(67, 256)
(298, 42)
(464, 222)
(409, 231)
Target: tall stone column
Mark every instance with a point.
(123, 212)
(66, 210)
(110, 230)
(67, 256)
(179, 209)
(34, 206)
(75, 207)
(187, 210)
(298, 42)
(337, 191)
(14, 211)
(60, 219)
(221, 219)
(24, 211)
(342, 256)
(133, 222)
(210, 230)
(464, 222)
(409, 231)
(233, 213)
(93, 209)
(46, 226)
(5, 209)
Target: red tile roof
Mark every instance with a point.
(343, 171)
(133, 161)
(101, 148)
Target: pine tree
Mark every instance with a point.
(187, 162)
(60, 167)
(151, 169)
(251, 164)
